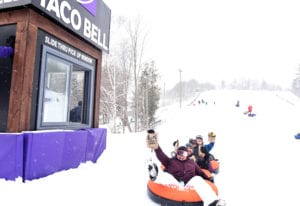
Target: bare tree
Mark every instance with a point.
(125, 72)
(107, 99)
(121, 72)
(116, 78)
(137, 38)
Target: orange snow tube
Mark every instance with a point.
(214, 164)
(171, 195)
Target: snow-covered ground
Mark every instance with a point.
(259, 156)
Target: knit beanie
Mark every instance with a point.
(183, 148)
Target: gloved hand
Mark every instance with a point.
(211, 178)
(151, 140)
(193, 158)
(176, 144)
(211, 137)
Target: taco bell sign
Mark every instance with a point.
(90, 19)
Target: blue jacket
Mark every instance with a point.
(209, 146)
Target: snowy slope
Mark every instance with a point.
(259, 156)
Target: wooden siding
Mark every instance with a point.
(28, 22)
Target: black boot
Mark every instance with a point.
(153, 171)
(217, 203)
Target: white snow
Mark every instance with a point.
(259, 156)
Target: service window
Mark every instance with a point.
(66, 91)
(7, 41)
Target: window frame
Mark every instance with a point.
(88, 91)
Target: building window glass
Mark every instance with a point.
(7, 42)
(66, 91)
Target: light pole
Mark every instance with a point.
(180, 88)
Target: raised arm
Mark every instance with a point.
(162, 157)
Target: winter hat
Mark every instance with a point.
(151, 131)
(192, 141)
(189, 145)
(182, 151)
(183, 148)
(199, 137)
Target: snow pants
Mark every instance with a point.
(200, 185)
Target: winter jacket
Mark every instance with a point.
(203, 162)
(200, 160)
(250, 108)
(209, 146)
(181, 170)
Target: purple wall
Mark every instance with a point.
(32, 155)
(11, 155)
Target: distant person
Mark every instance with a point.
(184, 172)
(249, 110)
(237, 103)
(75, 113)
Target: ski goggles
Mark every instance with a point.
(182, 153)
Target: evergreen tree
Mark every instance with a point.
(149, 94)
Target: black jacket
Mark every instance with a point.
(203, 162)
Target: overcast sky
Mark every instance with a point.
(214, 40)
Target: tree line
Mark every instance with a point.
(129, 83)
(130, 94)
